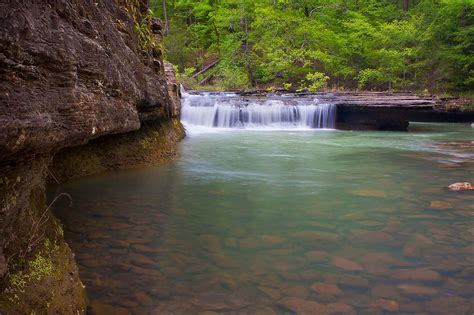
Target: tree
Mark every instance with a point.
(370, 44)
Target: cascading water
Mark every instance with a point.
(231, 110)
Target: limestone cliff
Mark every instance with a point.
(71, 71)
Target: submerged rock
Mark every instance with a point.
(353, 281)
(218, 301)
(326, 289)
(302, 306)
(440, 205)
(315, 236)
(417, 290)
(272, 240)
(316, 256)
(143, 298)
(346, 264)
(271, 292)
(388, 305)
(418, 274)
(339, 308)
(449, 305)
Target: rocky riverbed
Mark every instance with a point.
(210, 235)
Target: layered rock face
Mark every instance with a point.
(70, 72)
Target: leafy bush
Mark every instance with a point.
(315, 81)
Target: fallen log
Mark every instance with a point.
(205, 69)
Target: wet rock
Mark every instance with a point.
(368, 193)
(146, 272)
(353, 281)
(141, 260)
(143, 298)
(418, 274)
(225, 261)
(314, 236)
(298, 291)
(393, 226)
(461, 186)
(388, 305)
(98, 308)
(123, 266)
(410, 250)
(449, 305)
(316, 256)
(423, 241)
(127, 303)
(339, 308)
(231, 242)
(209, 242)
(139, 240)
(345, 264)
(459, 287)
(118, 243)
(325, 298)
(386, 292)
(218, 301)
(118, 225)
(417, 290)
(357, 300)
(249, 243)
(440, 205)
(271, 292)
(412, 307)
(118, 251)
(381, 259)
(264, 310)
(272, 240)
(93, 263)
(446, 264)
(96, 235)
(302, 307)
(373, 237)
(144, 249)
(326, 288)
(281, 252)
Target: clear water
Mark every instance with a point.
(273, 222)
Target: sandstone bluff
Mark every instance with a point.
(83, 90)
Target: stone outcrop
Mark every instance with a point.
(85, 79)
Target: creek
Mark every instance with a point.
(261, 214)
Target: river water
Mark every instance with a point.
(282, 222)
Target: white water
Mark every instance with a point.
(229, 110)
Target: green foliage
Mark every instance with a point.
(142, 28)
(36, 269)
(315, 81)
(186, 78)
(369, 77)
(370, 44)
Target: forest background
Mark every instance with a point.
(418, 45)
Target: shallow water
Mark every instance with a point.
(274, 222)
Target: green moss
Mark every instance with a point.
(37, 268)
(142, 27)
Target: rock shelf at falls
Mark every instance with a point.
(340, 110)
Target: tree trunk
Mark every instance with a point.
(165, 16)
(406, 5)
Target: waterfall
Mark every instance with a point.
(230, 110)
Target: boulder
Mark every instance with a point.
(461, 186)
